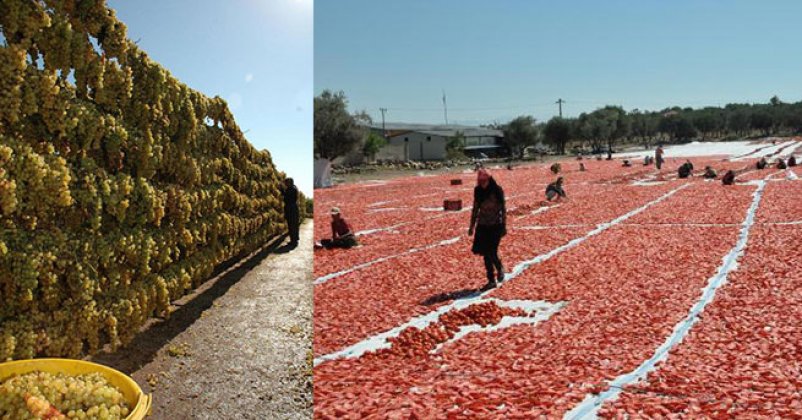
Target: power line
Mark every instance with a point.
(445, 107)
(384, 131)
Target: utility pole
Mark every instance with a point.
(560, 103)
(445, 107)
(384, 131)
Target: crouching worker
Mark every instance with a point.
(791, 161)
(762, 164)
(341, 234)
(710, 173)
(781, 164)
(489, 217)
(685, 170)
(555, 190)
(728, 178)
(626, 163)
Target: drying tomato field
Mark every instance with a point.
(640, 295)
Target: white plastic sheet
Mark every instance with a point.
(322, 173)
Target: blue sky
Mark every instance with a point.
(500, 59)
(257, 54)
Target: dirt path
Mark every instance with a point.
(239, 347)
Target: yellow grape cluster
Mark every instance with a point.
(120, 187)
(36, 394)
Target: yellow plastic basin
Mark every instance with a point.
(137, 400)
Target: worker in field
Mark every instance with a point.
(710, 173)
(762, 164)
(658, 157)
(781, 164)
(792, 161)
(728, 178)
(555, 190)
(581, 167)
(291, 213)
(489, 222)
(341, 234)
(685, 170)
(627, 163)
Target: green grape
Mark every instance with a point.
(121, 196)
(34, 394)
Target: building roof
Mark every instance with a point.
(482, 147)
(449, 130)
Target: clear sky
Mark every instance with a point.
(256, 54)
(500, 59)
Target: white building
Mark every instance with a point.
(422, 142)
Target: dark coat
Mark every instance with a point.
(290, 195)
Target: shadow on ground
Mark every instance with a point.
(158, 333)
(455, 295)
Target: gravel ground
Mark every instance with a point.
(238, 347)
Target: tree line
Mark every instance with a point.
(601, 130)
(338, 132)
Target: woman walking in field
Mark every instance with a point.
(489, 217)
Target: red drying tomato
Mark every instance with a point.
(624, 291)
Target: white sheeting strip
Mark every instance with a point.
(769, 151)
(327, 277)
(384, 209)
(588, 408)
(380, 340)
(537, 311)
(381, 203)
(538, 211)
(568, 226)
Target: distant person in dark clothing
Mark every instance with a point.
(781, 164)
(710, 173)
(658, 157)
(555, 190)
(762, 164)
(341, 234)
(627, 163)
(489, 217)
(291, 213)
(728, 178)
(791, 161)
(581, 167)
(685, 170)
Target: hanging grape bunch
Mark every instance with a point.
(121, 188)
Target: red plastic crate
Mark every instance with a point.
(452, 205)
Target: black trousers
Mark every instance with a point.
(493, 261)
(346, 242)
(293, 226)
(485, 243)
